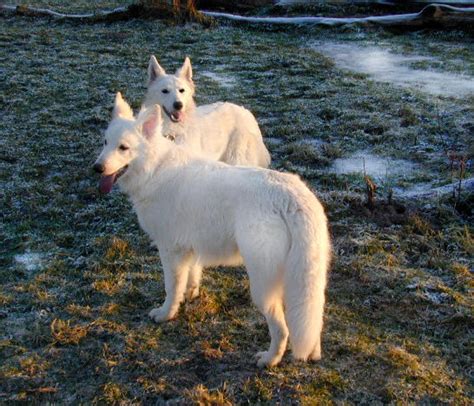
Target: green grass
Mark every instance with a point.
(74, 326)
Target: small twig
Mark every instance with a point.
(462, 173)
(371, 188)
(457, 164)
(451, 156)
(389, 184)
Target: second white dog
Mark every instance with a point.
(205, 213)
(220, 131)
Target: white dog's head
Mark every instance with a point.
(127, 143)
(174, 93)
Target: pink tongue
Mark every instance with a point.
(106, 183)
(177, 115)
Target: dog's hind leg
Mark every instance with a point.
(262, 259)
(272, 309)
(176, 269)
(268, 297)
(194, 280)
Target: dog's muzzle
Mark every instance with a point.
(176, 116)
(107, 181)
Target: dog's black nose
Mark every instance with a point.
(99, 168)
(178, 105)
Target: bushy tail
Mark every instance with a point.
(305, 276)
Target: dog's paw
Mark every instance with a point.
(160, 315)
(315, 355)
(266, 360)
(192, 293)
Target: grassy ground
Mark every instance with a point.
(78, 276)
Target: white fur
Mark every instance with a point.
(220, 131)
(202, 213)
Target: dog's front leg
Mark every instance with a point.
(176, 268)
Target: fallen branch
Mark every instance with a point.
(430, 12)
(40, 12)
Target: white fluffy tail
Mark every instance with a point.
(305, 277)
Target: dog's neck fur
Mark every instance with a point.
(146, 172)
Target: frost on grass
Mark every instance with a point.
(223, 80)
(373, 165)
(386, 66)
(426, 190)
(399, 174)
(31, 261)
(102, 346)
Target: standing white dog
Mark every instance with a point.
(205, 213)
(220, 131)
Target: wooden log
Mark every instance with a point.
(429, 14)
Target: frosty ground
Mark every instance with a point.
(78, 276)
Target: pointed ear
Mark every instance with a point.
(154, 70)
(186, 71)
(121, 108)
(150, 121)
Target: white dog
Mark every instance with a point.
(203, 213)
(220, 131)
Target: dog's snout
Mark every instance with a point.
(178, 105)
(99, 168)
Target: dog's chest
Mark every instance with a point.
(174, 131)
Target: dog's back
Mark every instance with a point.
(229, 133)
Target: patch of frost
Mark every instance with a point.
(312, 142)
(427, 189)
(31, 261)
(223, 80)
(435, 297)
(273, 141)
(385, 66)
(372, 165)
(428, 292)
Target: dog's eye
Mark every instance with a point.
(123, 147)
(181, 90)
(165, 91)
